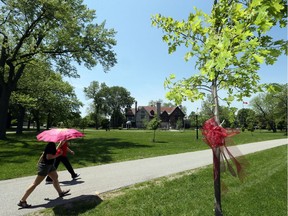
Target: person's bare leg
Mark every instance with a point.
(54, 176)
(31, 188)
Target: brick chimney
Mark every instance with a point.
(136, 107)
(158, 109)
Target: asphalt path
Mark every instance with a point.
(105, 178)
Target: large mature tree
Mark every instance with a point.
(97, 92)
(244, 117)
(271, 108)
(282, 108)
(43, 93)
(118, 99)
(229, 45)
(62, 32)
(109, 101)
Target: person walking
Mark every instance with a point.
(64, 159)
(45, 167)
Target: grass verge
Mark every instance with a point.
(263, 192)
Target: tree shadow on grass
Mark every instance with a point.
(101, 150)
(78, 205)
(73, 206)
(20, 149)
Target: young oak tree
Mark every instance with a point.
(154, 124)
(62, 32)
(229, 45)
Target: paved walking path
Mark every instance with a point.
(109, 177)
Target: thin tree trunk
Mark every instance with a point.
(216, 156)
(217, 182)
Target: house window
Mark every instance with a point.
(142, 114)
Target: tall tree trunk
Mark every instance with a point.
(36, 119)
(4, 105)
(273, 126)
(5, 93)
(29, 123)
(9, 119)
(20, 120)
(48, 124)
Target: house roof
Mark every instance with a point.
(169, 110)
(148, 109)
(130, 112)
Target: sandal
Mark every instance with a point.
(23, 204)
(64, 193)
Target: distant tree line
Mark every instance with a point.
(266, 111)
(109, 105)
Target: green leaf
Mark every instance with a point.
(172, 76)
(172, 48)
(165, 38)
(258, 58)
(188, 55)
(277, 6)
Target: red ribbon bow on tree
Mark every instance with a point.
(216, 136)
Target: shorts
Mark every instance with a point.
(44, 169)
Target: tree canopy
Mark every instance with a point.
(271, 108)
(61, 32)
(229, 45)
(42, 93)
(109, 101)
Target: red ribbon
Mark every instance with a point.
(217, 137)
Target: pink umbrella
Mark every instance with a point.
(59, 134)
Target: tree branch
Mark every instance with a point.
(205, 88)
(26, 35)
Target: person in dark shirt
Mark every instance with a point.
(64, 159)
(45, 167)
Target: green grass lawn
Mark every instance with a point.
(19, 153)
(263, 192)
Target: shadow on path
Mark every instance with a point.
(72, 182)
(66, 206)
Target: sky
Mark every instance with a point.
(143, 59)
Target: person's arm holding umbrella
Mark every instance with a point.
(70, 151)
(60, 145)
(54, 156)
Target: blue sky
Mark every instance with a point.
(143, 59)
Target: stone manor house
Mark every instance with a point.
(169, 116)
